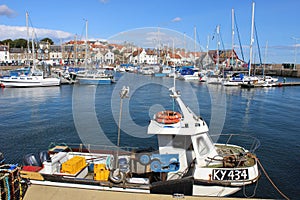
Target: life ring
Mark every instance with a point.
(168, 117)
(116, 176)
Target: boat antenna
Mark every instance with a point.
(174, 64)
(174, 78)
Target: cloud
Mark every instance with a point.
(16, 32)
(5, 11)
(176, 19)
(104, 1)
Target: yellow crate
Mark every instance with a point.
(74, 165)
(100, 172)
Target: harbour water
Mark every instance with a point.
(33, 118)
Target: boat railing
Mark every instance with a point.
(246, 141)
(93, 148)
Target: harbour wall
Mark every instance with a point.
(276, 70)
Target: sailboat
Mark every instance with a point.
(35, 78)
(266, 81)
(239, 79)
(190, 73)
(101, 76)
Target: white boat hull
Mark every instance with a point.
(45, 82)
(197, 190)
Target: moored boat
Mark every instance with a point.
(187, 162)
(189, 74)
(101, 76)
(35, 79)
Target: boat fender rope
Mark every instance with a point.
(273, 184)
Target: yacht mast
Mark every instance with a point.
(218, 47)
(194, 46)
(265, 57)
(86, 43)
(252, 40)
(232, 36)
(28, 48)
(33, 53)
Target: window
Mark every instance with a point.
(202, 146)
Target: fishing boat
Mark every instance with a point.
(187, 161)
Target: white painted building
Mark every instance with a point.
(109, 57)
(98, 57)
(142, 56)
(4, 54)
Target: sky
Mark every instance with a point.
(277, 23)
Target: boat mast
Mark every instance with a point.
(265, 58)
(207, 46)
(251, 40)
(218, 46)
(86, 43)
(75, 50)
(194, 46)
(232, 35)
(28, 48)
(33, 54)
(184, 48)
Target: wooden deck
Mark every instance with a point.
(37, 192)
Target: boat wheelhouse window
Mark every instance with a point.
(202, 146)
(197, 125)
(179, 141)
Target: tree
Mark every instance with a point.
(6, 42)
(116, 52)
(47, 40)
(18, 43)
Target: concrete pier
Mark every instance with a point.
(37, 192)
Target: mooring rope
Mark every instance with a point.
(273, 184)
(254, 191)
